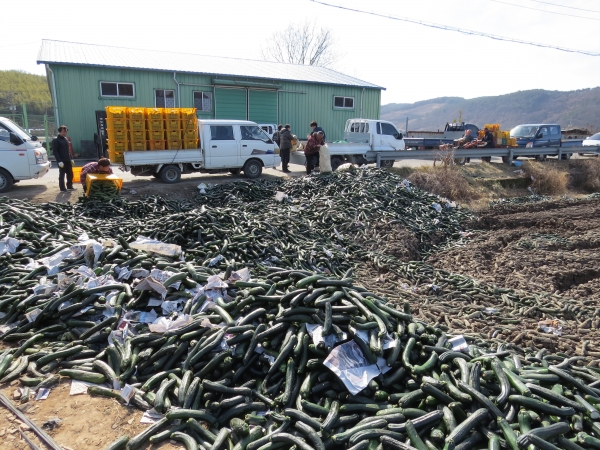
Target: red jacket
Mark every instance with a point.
(313, 145)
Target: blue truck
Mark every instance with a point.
(542, 135)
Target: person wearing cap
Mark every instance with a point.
(488, 139)
(102, 166)
(311, 151)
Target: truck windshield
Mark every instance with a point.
(17, 130)
(523, 131)
(252, 132)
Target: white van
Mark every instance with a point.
(22, 156)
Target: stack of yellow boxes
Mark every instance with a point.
(116, 129)
(502, 138)
(138, 129)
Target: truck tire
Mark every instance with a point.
(540, 158)
(253, 168)
(566, 156)
(336, 162)
(235, 171)
(506, 159)
(387, 163)
(460, 161)
(487, 159)
(170, 174)
(6, 181)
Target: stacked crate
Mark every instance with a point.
(189, 127)
(173, 128)
(137, 128)
(116, 129)
(156, 128)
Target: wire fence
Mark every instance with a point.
(35, 124)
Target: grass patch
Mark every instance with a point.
(547, 178)
(585, 174)
(445, 181)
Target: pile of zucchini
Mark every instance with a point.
(245, 373)
(103, 190)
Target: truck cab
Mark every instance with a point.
(380, 134)
(537, 135)
(22, 156)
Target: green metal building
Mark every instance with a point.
(86, 78)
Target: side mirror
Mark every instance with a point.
(398, 136)
(14, 139)
(34, 138)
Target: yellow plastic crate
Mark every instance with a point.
(116, 157)
(155, 124)
(92, 177)
(172, 134)
(116, 112)
(154, 113)
(190, 123)
(173, 124)
(137, 146)
(117, 135)
(174, 144)
(190, 143)
(171, 113)
(156, 135)
(189, 134)
(116, 124)
(137, 125)
(158, 144)
(137, 135)
(118, 146)
(136, 113)
(187, 113)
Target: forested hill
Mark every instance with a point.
(574, 108)
(18, 87)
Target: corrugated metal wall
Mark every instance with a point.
(78, 92)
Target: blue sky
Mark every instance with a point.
(413, 62)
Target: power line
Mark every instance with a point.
(544, 10)
(459, 30)
(564, 6)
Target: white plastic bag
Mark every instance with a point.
(325, 159)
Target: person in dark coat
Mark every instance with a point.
(316, 128)
(276, 137)
(285, 147)
(311, 151)
(60, 150)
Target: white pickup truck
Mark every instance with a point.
(225, 145)
(363, 138)
(22, 157)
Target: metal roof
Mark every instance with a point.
(73, 53)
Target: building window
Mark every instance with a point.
(108, 89)
(203, 101)
(164, 98)
(343, 102)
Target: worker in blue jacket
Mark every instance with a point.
(316, 128)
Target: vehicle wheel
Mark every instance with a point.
(540, 158)
(253, 169)
(486, 159)
(170, 174)
(235, 171)
(336, 162)
(6, 181)
(460, 161)
(506, 159)
(387, 163)
(566, 156)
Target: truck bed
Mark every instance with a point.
(152, 157)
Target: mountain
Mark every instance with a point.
(574, 108)
(18, 87)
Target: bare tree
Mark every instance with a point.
(304, 44)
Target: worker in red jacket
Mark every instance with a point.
(102, 166)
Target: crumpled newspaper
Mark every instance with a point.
(163, 324)
(349, 364)
(8, 245)
(316, 332)
(150, 284)
(153, 246)
(551, 326)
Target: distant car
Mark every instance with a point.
(593, 140)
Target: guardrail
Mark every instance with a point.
(509, 153)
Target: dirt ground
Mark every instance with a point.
(538, 247)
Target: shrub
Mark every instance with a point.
(585, 174)
(546, 178)
(444, 181)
